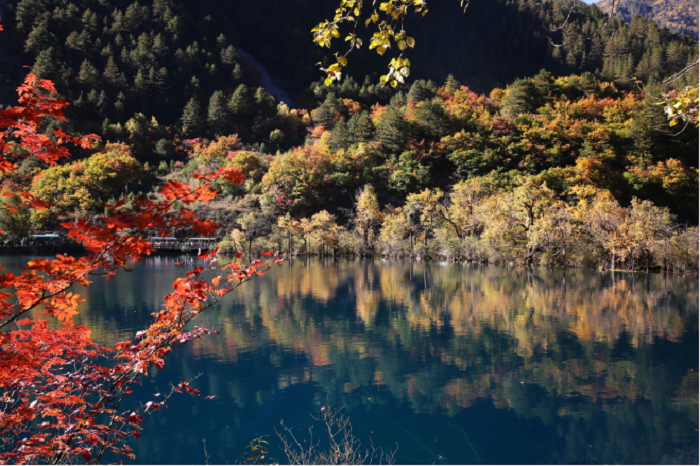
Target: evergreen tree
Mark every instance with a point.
(421, 90)
(102, 102)
(349, 89)
(589, 84)
(242, 104)
(544, 87)
(28, 11)
(160, 47)
(45, 66)
(192, 117)
(329, 112)
(266, 103)
(107, 51)
(392, 131)
(221, 41)
(340, 137)
(399, 100)
(432, 119)
(92, 97)
(80, 101)
(229, 56)
(520, 98)
(218, 116)
(159, 80)
(361, 128)
(106, 128)
(88, 75)
(89, 20)
(39, 38)
(237, 73)
(140, 83)
(451, 84)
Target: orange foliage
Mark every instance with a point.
(377, 112)
(318, 131)
(353, 107)
(215, 151)
(672, 175)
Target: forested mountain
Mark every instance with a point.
(677, 15)
(176, 60)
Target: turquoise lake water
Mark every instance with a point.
(453, 363)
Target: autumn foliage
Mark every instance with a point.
(63, 395)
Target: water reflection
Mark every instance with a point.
(471, 364)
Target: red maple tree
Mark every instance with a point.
(61, 394)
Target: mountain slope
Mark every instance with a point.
(178, 61)
(677, 15)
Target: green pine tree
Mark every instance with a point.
(88, 75)
(433, 120)
(361, 128)
(242, 104)
(218, 115)
(229, 56)
(392, 132)
(192, 120)
(421, 90)
(329, 111)
(45, 66)
(340, 137)
(451, 84)
(237, 73)
(265, 103)
(39, 38)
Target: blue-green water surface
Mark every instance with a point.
(453, 363)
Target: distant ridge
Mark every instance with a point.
(677, 15)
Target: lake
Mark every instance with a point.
(470, 364)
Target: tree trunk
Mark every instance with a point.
(612, 263)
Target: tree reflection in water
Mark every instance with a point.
(470, 363)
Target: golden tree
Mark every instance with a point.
(325, 230)
(426, 210)
(368, 216)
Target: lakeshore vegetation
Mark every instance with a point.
(565, 171)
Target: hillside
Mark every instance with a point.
(677, 15)
(161, 46)
(159, 78)
(490, 45)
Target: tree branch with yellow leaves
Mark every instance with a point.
(388, 19)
